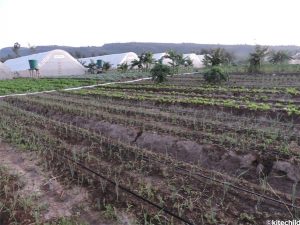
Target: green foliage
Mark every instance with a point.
(279, 57)
(218, 56)
(16, 48)
(123, 67)
(159, 72)
(23, 85)
(176, 60)
(147, 59)
(92, 67)
(137, 63)
(188, 62)
(215, 74)
(144, 61)
(106, 66)
(256, 58)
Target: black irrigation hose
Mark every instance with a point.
(243, 189)
(129, 191)
(189, 173)
(228, 184)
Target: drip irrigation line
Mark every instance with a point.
(129, 191)
(187, 172)
(199, 175)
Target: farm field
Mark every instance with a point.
(25, 85)
(182, 152)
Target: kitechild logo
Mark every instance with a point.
(282, 222)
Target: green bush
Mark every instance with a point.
(215, 75)
(159, 72)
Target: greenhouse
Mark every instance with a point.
(162, 56)
(52, 63)
(197, 62)
(5, 73)
(114, 60)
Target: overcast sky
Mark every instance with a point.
(96, 22)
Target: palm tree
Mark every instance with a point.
(16, 48)
(188, 62)
(176, 60)
(218, 56)
(137, 63)
(160, 72)
(256, 58)
(144, 61)
(279, 57)
(123, 67)
(106, 66)
(147, 59)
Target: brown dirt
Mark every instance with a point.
(57, 200)
(208, 156)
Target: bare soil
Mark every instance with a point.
(55, 199)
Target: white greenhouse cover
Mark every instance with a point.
(197, 63)
(52, 63)
(201, 57)
(296, 59)
(158, 56)
(114, 59)
(5, 73)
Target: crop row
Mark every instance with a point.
(290, 109)
(202, 89)
(196, 122)
(204, 113)
(271, 100)
(194, 131)
(126, 165)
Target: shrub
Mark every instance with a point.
(159, 72)
(215, 75)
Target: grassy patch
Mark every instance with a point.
(24, 85)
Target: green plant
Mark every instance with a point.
(176, 60)
(256, 58)
(216, 57)
(110, 212)
(215, 74)
(106, 66)
(159, 72)
(123, 67)
(279, 57)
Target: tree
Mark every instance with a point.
(257, 57)
(123, 67)
(106, 66)
(144, 61)
(92, 67)
(16, 48)
(188, 62)
(176, 60)
(279, 57)
(32, 48)
(218, 56)
(159, 72)
(147, 59)
(137, 63)
(215, 74)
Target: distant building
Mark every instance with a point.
(52, 63)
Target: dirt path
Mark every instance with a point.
(47, 193)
